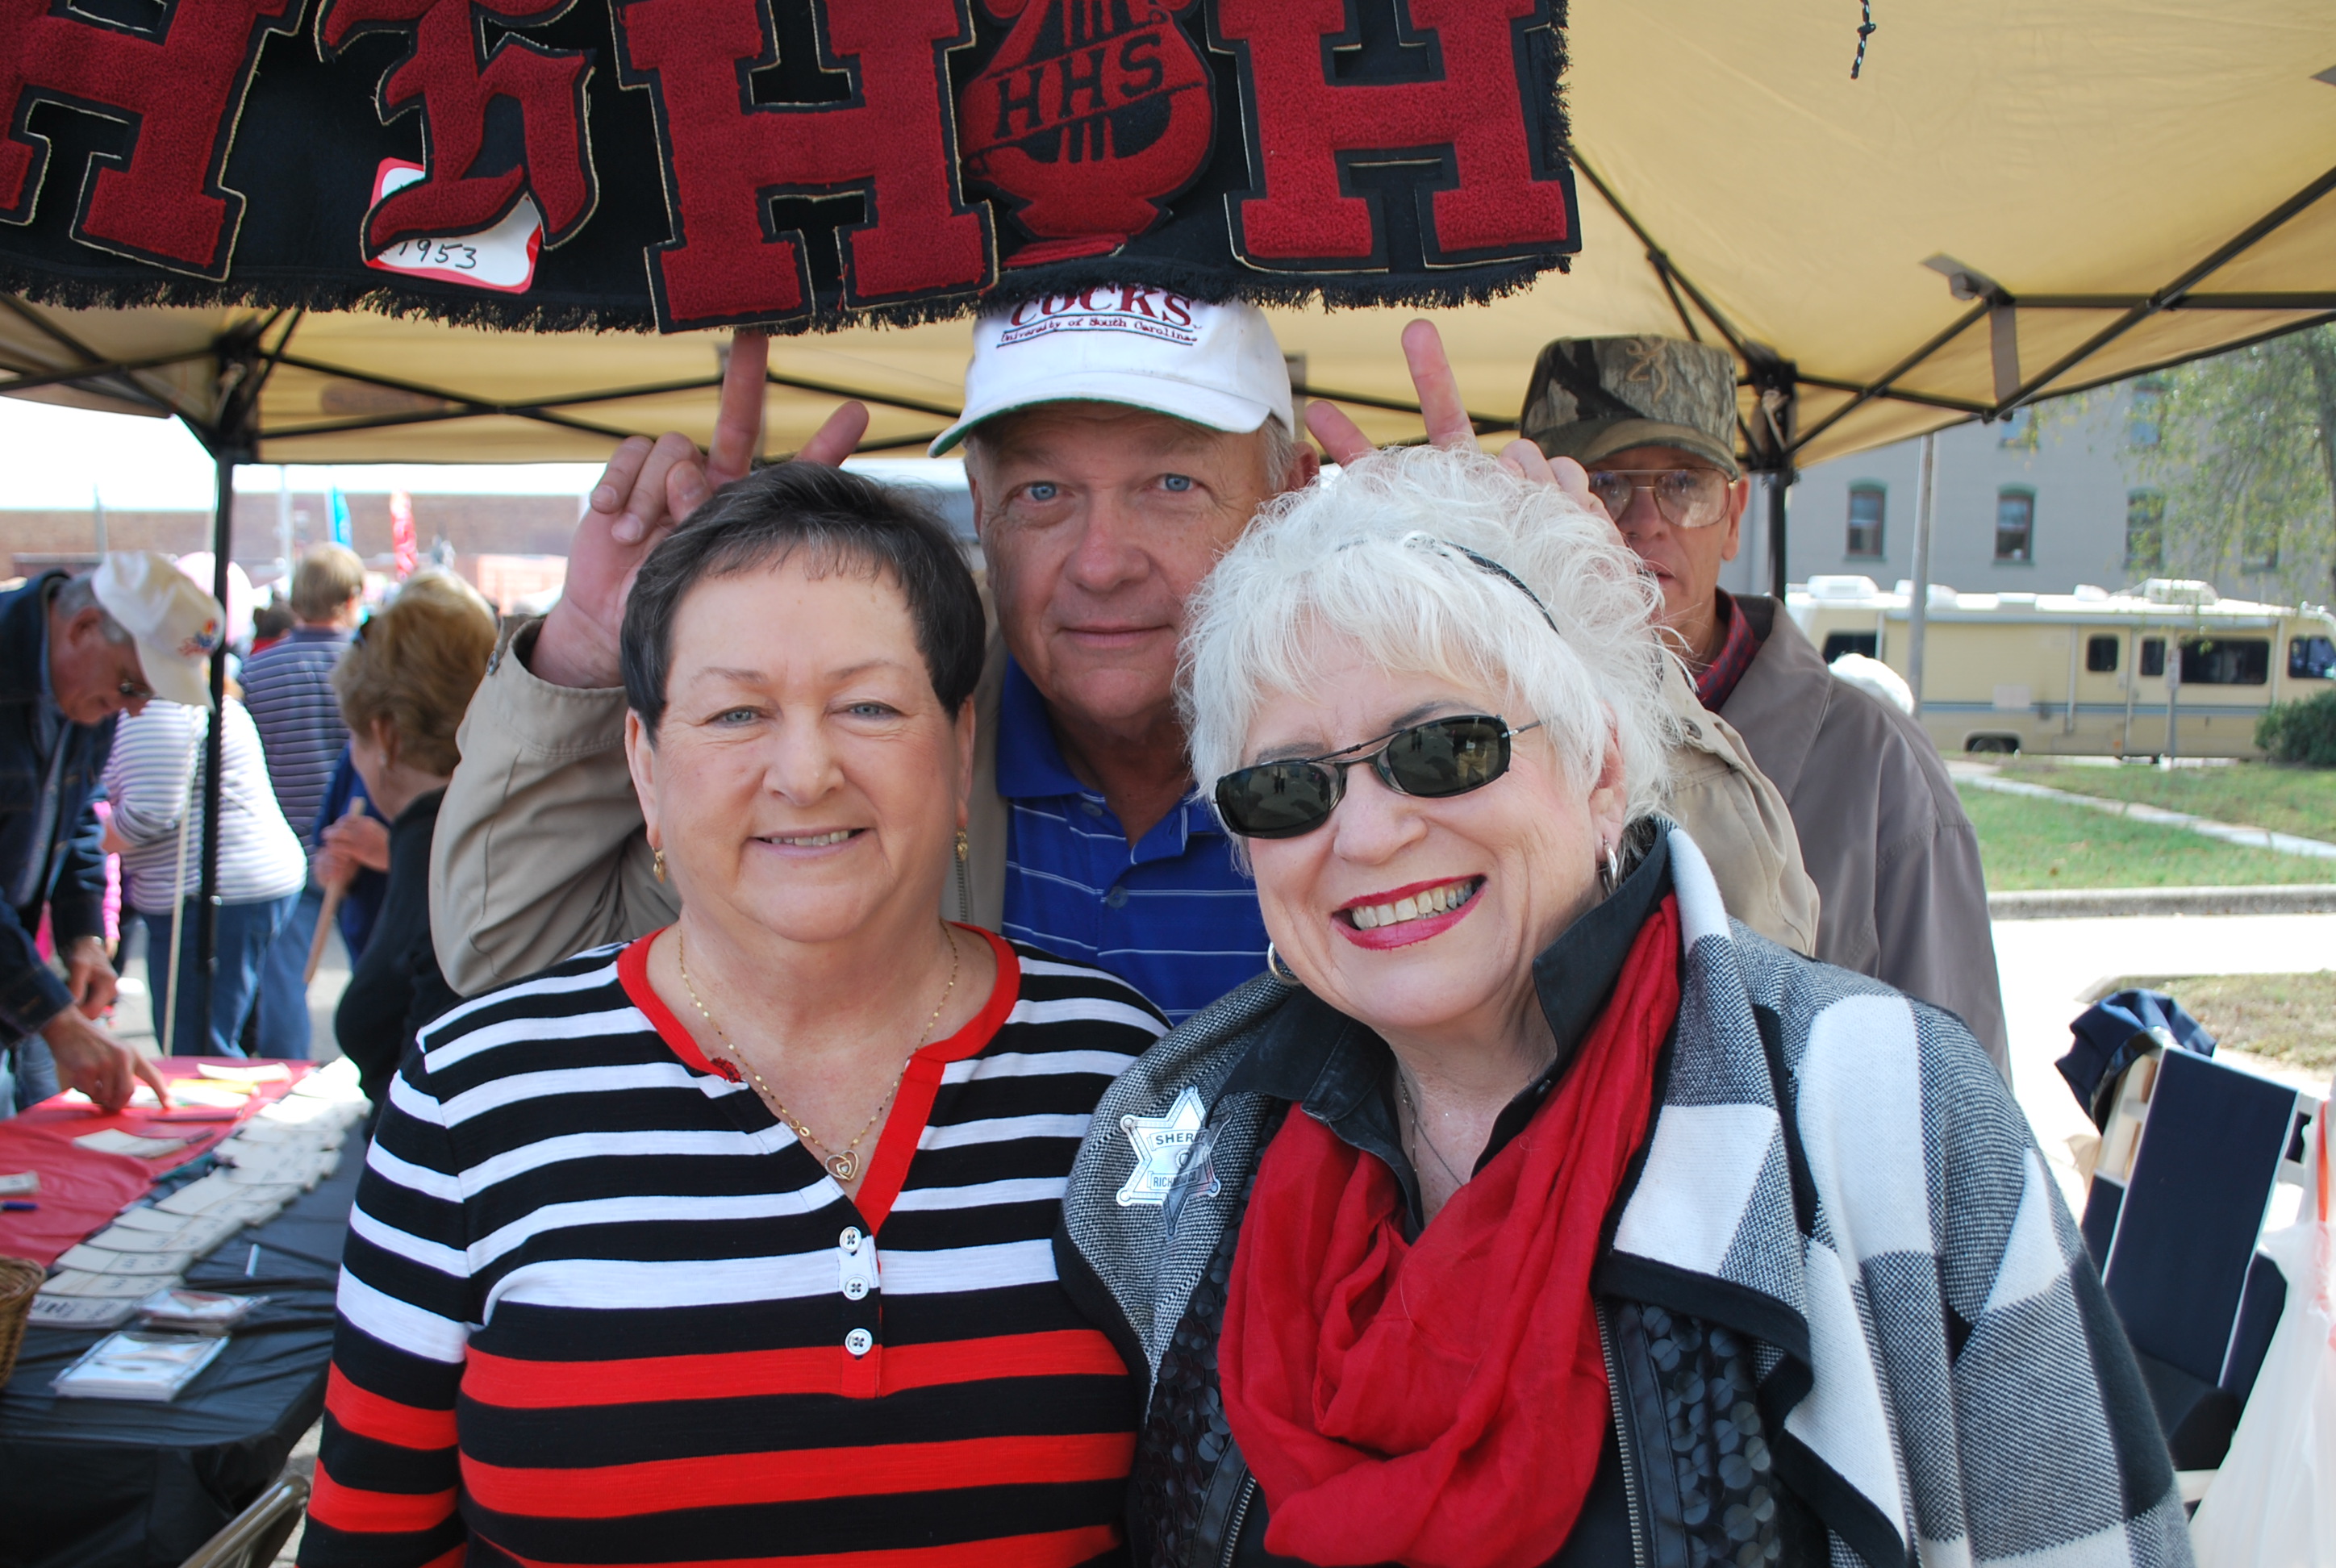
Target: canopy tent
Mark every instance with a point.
(2014, 200)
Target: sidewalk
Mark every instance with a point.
(1984, 776)
(2050, 969)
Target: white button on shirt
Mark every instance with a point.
(860, 1341)
(855, 1266)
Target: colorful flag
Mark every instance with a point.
(340, 507)
(400, 534)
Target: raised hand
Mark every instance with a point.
(647, 488)
(1447, 418)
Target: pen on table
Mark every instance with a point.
(18, 1206)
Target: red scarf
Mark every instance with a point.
(1442, 1402)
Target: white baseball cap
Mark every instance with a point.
(1216, 365)
(177, 625)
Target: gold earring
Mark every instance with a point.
(657, 862)
(960, 846)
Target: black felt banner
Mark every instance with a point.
(802, 164)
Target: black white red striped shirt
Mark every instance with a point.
(600, 1306)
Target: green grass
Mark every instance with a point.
(2025, 844)
(2293, 799)
(2290, 1019)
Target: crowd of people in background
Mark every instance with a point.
(106, 823)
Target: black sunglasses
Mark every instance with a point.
(1431, 761)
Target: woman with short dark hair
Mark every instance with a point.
(734, 1241)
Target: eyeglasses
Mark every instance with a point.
(1686, 497)
(135, 691)
(1432, 761)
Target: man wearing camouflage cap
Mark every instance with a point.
(1895, 860)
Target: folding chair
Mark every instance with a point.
(253, 1537)
(2192, 1153)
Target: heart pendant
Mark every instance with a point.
(843, 1167)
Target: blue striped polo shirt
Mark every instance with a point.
(1170, 915)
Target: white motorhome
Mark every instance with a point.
(2168, 669)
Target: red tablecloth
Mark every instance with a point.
(204, 1126)
(81, 1189)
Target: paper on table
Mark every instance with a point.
(202, 1091)
(81, 1282)
(146, 1217)
(98, 1261)
(115, 1141)
(121, 1238)
(261, 1073)
(80, 1311)
(199, 1196)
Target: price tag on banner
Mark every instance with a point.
(502, 259)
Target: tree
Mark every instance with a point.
(2244, 447)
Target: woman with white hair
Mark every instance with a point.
(1530, 1211)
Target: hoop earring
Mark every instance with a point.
(1279, 970)
(656, 864)
(1610, 869)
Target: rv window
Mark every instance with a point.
(1838, 643)
(2312, 657)
(2153, 656)
(2100, 655)
(2226, 661)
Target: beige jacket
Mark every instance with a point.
(539, 851)
(1895, 860)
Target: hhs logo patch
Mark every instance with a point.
(1093, 113)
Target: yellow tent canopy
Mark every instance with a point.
(2015, 199)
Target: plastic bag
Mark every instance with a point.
(2273, 1503)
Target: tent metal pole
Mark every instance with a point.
(1918, 603)
(1778, 479)
(214, 740)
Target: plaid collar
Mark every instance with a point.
(1715, 682)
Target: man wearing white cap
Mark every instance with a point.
(74, 653)
(1117, 441)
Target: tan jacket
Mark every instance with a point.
(1895, 860)
(539, 851)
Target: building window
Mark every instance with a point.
(1865, 503)
(2015, 526)
(2152, 657)
(2145, 416)
(2101, 655)
(2258, 548)
(2145, 530)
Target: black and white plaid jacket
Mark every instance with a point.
(1835, 1178)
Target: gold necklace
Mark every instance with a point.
(845, 1166)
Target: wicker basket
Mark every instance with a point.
(19, 1281)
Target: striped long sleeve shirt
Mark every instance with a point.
(600, 1306)
(289, 688)
(154, 778)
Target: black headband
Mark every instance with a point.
(1488, 564)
